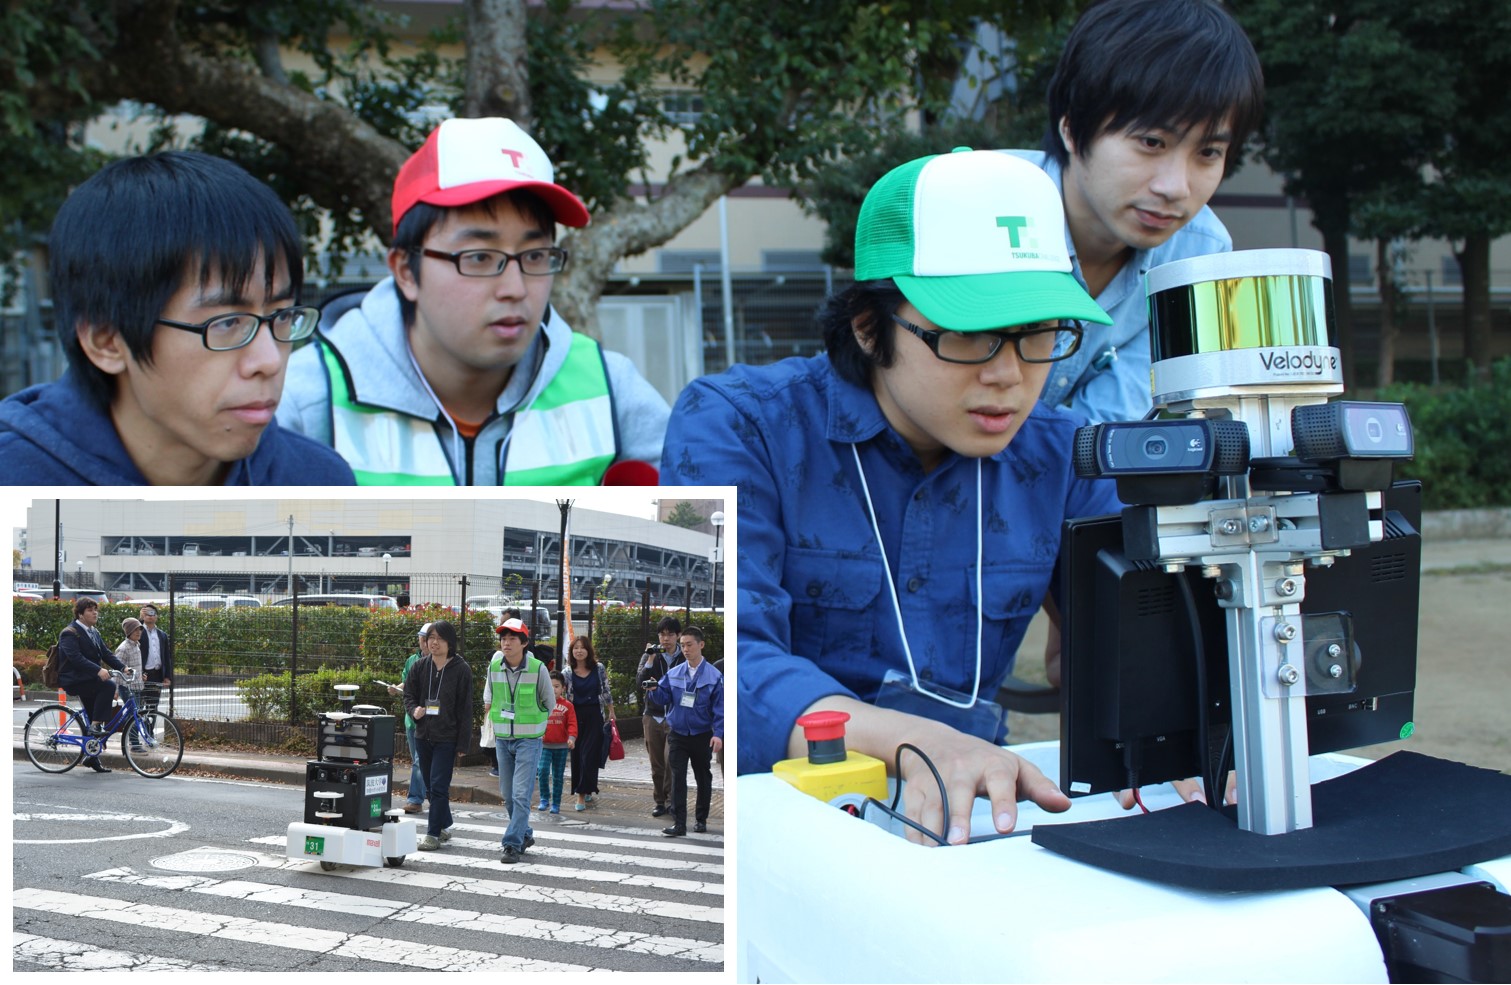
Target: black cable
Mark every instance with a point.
(891, 809)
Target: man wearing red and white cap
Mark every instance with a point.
(455, 370)
(519, 696)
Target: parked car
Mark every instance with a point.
(73, 594)
(30, 596)
(210, 601)
(191, 550)
(343, 598)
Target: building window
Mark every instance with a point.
(685, 108)
(1453, 275)
(791, 261)
(683, 261)
(1359, 269)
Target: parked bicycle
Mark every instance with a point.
(57, 737)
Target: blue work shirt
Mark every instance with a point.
(707, 688)
(815, 617)
(1108, 377)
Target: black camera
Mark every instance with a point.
(1162, 463)
(654, 648)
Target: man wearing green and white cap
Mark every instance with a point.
(901, 496)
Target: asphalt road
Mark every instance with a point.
(116, 872)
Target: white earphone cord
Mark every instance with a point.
(897, 606)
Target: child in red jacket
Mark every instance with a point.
(561, 736)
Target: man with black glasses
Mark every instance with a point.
(175, 282)
(455, 370)
(902, 495)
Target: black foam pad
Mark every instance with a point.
(1405, 815)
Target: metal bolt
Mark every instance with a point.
(1229, 526)
(1286, 587)
(1258, 524)
(1212, 571)
(1224, 589)
(1174, 567)
(1289, 675)
(1335, 671)
(1285, 632)
(1334, 650)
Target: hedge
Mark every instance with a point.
(1462, 435)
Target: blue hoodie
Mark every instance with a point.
(54, 434)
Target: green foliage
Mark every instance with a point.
(619, 643)
(267, 695)
(1461, 434)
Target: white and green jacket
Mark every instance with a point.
(574, 412)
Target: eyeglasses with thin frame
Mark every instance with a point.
(226, 332)
(1045, 344)
(490, 263)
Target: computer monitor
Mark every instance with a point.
(1133, 637)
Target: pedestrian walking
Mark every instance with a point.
(438, 697)
(588, 690)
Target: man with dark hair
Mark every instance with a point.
(693, 694)
(658, 658)
(82, 656)
(902, 495)
(164, 272)
(157, 658)
(1149, 108)
(519, 696)
(455, 370)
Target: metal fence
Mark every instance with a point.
(258, 668)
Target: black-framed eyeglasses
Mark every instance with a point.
(490, 263)
(225, 332)
(1045, 344)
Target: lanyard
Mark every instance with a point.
(434, 685)
(897, 607)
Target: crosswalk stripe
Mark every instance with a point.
(673, 846)
(549, 871)
(520, 891)
(74, 956)
(602, 858)
(431, 957)
(690, 844)
(382, 909)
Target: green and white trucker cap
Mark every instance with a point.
(975, 240)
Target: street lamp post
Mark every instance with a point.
(386, 559)
(718, 521)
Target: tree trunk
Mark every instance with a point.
(497, 76)
(1335, 241)
(1386, 369)
(1474, 268)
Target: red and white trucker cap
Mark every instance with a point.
(466, 161)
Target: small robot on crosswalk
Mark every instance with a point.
(348, 818)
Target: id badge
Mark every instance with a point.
(432, 709)
(983, 719)
(688, 697)
(506, 714)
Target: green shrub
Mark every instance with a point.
(1462, 434)
(619, 643)
(267, 695)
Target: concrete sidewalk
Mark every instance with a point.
(624, 786)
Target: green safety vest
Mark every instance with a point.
(565, 436)
(529, 718)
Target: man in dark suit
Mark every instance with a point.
(82, 654)
(157, 658)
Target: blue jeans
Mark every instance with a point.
(517, 761)
(553, 767)
(437, 760)
(416, 793)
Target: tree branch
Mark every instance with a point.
(325, 137)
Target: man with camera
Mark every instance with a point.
(654, 663)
